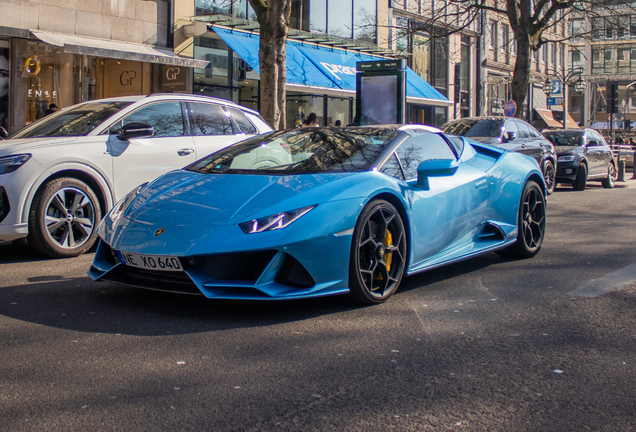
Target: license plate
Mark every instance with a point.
(150, 262)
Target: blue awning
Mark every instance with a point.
(299, 70)
(329, 68)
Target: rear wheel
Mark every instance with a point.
(63, 218)
(610, 180)
(378, 253)
(549, 175)
(530, 223)
(580, 182)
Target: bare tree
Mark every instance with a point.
(274, 19)
(533, 22)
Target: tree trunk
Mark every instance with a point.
(273, 29)
(521, 75)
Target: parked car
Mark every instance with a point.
(583, 155)
(356, 210)
(61, 174)
(510, 134)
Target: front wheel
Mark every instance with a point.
(610, 180)
(378, 253)
(580, 182)
(530, 223)
(63, 218)
(549, 175)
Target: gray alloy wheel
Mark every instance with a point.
(530, 223)
(610, 180)
(63, 218)
(378, 253)
(549, 176)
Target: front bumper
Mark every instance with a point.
(272, 274)
(566, 172)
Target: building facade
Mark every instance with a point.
(84, 50)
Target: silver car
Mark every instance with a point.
(60, 175)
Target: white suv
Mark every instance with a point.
(60, 175)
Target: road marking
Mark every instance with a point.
(610, 282)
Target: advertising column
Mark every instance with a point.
(381, 92)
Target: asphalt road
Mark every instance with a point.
(486, 344)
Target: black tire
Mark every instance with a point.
(610, 180)
(530, 224)
(63, 218)
(378, 253)
(580, 182)
(549, 175)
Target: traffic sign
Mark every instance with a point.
(510, 109)
(552, 101)
(556, 87)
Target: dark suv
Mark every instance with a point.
(582, 155)
(511, 134)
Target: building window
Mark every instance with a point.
(492, 43)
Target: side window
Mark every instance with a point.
(524, 132)
(511, 126)
(166, 118)
(534, 133)
(420, 148)
(392, 168)
(243, 123)
(209, 119)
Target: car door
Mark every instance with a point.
(212, 128)
(601, 153)
(139, 160)
(527, 142)
(449, 212)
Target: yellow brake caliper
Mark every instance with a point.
(387, 241)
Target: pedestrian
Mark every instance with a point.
(338, 123)
(619, 139)
(632, 142)
(311, 121)
(50, 110)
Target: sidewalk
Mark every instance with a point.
(629, 181)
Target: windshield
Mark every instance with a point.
(565, 138)
(300, 151)
(474, 128)
(74, 121)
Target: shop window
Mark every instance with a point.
(166, 118)
(4, 86)
(209, 119)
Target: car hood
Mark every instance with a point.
(486, 140)
(28, 144)
(566, 150)
(187, 198)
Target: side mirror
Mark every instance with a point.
(435, 168)
(135, 130)
(509, 136)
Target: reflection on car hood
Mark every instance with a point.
(563, 150)
(185, 198)
(486, 140)
(26, 144)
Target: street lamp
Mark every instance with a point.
(547, 87)
(579, 86)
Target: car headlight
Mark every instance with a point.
(8, 164)
(118, 210)
(569, 158)
(274, 222)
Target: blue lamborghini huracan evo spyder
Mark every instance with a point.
(322, 211)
